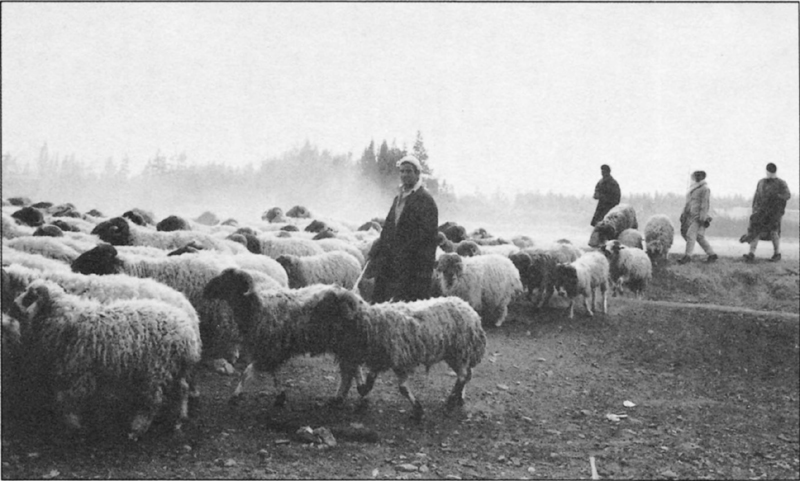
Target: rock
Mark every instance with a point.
(222, 366)
(325, 436)
(264, 453)
(423, 469)
(669, 474)
(407, 468)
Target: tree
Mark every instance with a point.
(421, 154)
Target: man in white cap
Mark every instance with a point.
(769, 205)
(405, 253)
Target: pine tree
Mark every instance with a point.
(421, 154)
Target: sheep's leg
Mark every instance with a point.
(185, 392)
(571, 308)
(456, 397)
(347, 372)
(141, 422)
(604, 291)
(546, 293)
(586, 297)
(402, 380)
(366, 387)
(70, 407)
(280, 399)
(502, 312)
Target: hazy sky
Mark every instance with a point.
(508, 96)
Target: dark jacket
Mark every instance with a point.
(769, 204)
(406, 251)
(607, 194)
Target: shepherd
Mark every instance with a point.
(405, 253)
(607, 194)
(695, 219)
(769, 204)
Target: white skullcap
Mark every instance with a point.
(411, 160)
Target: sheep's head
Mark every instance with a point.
(602, 232)
(316, 226)
(230, 221)
(230, 285)
(64, 226)
(35, 300)
(468, 249)
(239, 238)
(326, 233)
(611, 248)
(173, 223)
(135, 217)
(273, 215)
(451, 267)
(654, 248)
(455, 233)
(565, 280)
(115, 231)
(29, 216)
(480, 233)
(522, 261)
(101, 260)
(337, 311)
(289, 264)
(49, 230)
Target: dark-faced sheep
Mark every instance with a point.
(29, 216)
(275, 214)
(628, 266)
(120, 232)
(400, 336)
(621, 217)
(48, 230)
(298, 212)
(583, 277)
(172, 223)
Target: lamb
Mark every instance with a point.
(140, 349)
(658, 235)
(487, 283)
(400, 336)
(119, 231)
(583, 277)
(274, 323)
(631, 238)
(336, 267)
(628, 266)
(621, 217)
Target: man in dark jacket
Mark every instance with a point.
(607, 194)
(769, 204)
(406, 250)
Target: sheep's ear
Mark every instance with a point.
(349, 305)
(247, 283)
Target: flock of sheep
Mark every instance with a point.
(126, 307)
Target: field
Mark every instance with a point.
(710, 361)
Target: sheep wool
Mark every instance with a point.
(130, 347)
(631, 238)
(31, 260)
(659, 233)
(335, 267)
(583, 277)
(275, 247)
(51, 247)
(338, 244)
(628, 266)
(400, 336)
(619, 218)
(486, 282)
(12, 229)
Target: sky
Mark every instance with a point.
(508, 97)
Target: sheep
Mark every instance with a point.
(207, 218)
(140, 348)
(187, 274)
(583, 277)
(64, 226)
(275, 214)
(487, 283)
(621, 217)
(32, 260)
(13, 229)
(75, 225)
(335, 244)
(48, 230)
(501, 249)
(30, 216)
(335, 267)
(453, 232)
(298, 212)
(173, 223)
(464, 248)
(140, 217)
(370, 225)
(20, 201)
(628, 266)
(631, 238)
(522, 241)
(274, 322)
(50, 247)
(399, 336)
(275, 247)
(658, 235)
(537, 267)
(119, 231)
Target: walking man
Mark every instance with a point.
(769, 204)
(695, 219)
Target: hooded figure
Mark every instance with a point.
(695, 219)
(405, 253)
(607, 194)
(769, 204)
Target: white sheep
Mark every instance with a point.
(501, 249)
(51, 247)
(277, 246)
(583, 277)
(631, 238)
(400, 336)
(659, 234)
(32, 260)
(120, 231)
(487, 283)
(132, 348)
(338, 244)
(619, 218)
(12, 229)
(187, 274)
(335, 267)
(628, 266)
(274, 322)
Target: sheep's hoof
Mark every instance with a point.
(417, 412)
(280, 401)
(454, 402)
(235, 400)
(363, 390)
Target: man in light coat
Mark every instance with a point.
(695, 219)
(405, 253)
(769, 204)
